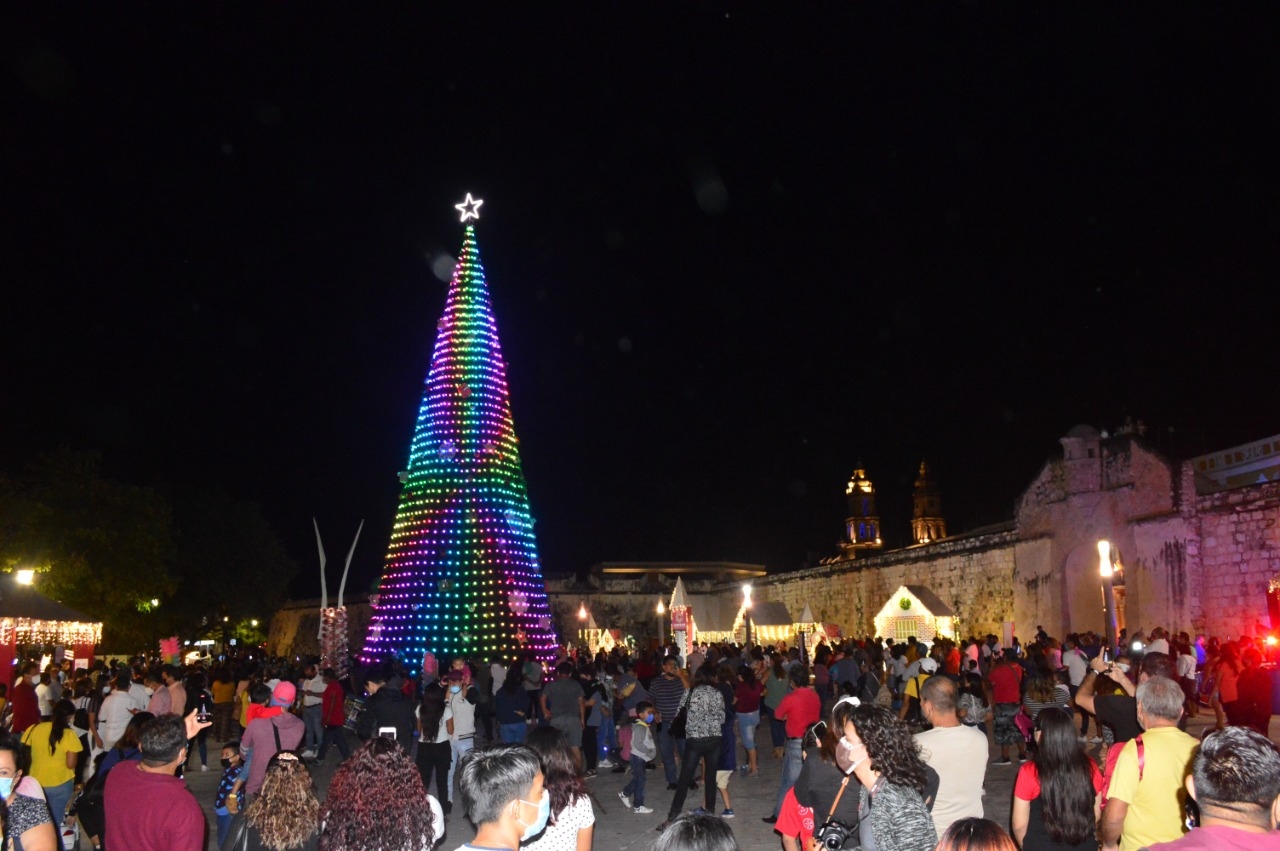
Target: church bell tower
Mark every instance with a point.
(927, 523)
(862, 527)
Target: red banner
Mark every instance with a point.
(679, 619)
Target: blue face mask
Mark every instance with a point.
(6, 786)
(648, 719)
(455, 689)
(538, 824)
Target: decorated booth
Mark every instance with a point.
(915, 610)
(771, 623)
(810, 633)
(40, 626)
(711, 617)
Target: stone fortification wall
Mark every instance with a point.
(1239, 548)
(973, 574)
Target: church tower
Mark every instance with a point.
(862, 528)
(926, 516)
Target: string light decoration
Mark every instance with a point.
(32, 631)
(462, 575)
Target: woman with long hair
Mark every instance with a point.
(1056, 796)
(54, 750)
(26, 812)
(572, 822)
(877, 750)
(1227, 680)
(434, 751)
(284, 815)
(511, 707)
(376, 800)
(1043, 689)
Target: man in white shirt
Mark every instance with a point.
(1159, 643)
(1077, 665)
(312, 688)
(956, 751)
(498, 672)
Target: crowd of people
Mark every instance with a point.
(883, 745)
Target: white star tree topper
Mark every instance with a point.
(470, 208)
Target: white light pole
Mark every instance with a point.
(662, 610)
(1108, 593)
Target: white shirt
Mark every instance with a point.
(1077, 665)
(464, 716)
(316, 683)
(1187, 666)
(1158, 646)
(113, 717)
(499, 675)
(42, 696)
(563, 835)
(959, 755)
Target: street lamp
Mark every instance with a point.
(582, 611)
(746, 613)
(1107, 572)
(25, 576)
(662, 631)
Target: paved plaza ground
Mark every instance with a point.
(618, 828)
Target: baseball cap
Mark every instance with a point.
(284, 694)
(929, 665)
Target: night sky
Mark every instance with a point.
(732, 250)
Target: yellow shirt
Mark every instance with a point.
(1155, 802)
(223, 692)
(50, 769)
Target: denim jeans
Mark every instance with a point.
(58, 797)
(224, 824)
(747, 723)
(460, 747)
(708, 751)
(609, 741)
(635, 786)
(792, 761)
(668, 747)
(311, 717)
(513, 734)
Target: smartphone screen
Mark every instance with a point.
(389, 732)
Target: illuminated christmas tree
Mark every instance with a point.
(462, 574)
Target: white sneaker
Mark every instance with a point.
(626, 799)
(309, 753)
(204, 768)
(643, 811)
(604, 763)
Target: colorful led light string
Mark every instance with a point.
(462, 573)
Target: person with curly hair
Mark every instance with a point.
(284, 815)
(878, 751)
(572, 820)
(376, 800)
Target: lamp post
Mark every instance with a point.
(746, 614)
(662, 610)
(1107, 572)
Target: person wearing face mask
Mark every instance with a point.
(229, 799)
(643, 749)
(502, 793)
(876, 751)
(26, 706)
(27, 817)
(571, 824)
(462, 699)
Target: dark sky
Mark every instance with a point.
(732, 250)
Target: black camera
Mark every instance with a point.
(834, 835)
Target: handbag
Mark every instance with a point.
(1024, 724)
(237, 836)
(679, 724)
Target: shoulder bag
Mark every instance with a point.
(680, 724)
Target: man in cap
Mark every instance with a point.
(264, 737)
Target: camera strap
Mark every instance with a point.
(836, 802)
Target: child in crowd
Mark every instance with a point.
(643, 749)
(226, 804)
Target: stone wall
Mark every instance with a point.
(1239, 550)
(972, 573)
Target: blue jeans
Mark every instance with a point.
(635, 786)
(224, 824)
(747, 723)
(58, 797)
(668, 747)
(609, 740)
(777, 731)
(513, 734)
(311, 716)
(792, 760)
(460, 748)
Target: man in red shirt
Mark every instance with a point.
(1005, 680)
(333, 716)
(800, 708)
(26, 708)
(147, 808)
